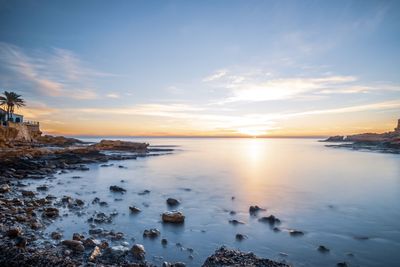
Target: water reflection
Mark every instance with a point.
(332, 195)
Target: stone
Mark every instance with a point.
(240, 237)
(151, 233)
(5, 188)
(295, 232)
(95, 231)
(144, 192)
(172, 202)
(14, 232)
(164, 241)
(173, 217)
(27, 193)
(95, 253)
(235, 222)
(323, 249)
(255, 209)
(270, 219)
(228, 257)
(115, 188)
(42, 188)
(56, 235)
(134, 209)
(77, 236)
(50, 213)
(342, 264)
(138, 251)
(74, 245)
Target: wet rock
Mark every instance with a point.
(138, 251)
(95, 253)
(164, 241)
(144, 192)
(227, 257)
(360, 237)
(76, 177)
(296, 232)
(151, 233)
(172, 202)
(95, 200)
(27, 193)
(90, 243)
(101, 218)
(254, 209)
(77, 237)
(95, 231)
(74, 245)
(67, 200)
(240, 237)
(235, 222)
(20, 242)
(232, 212)
(342, 264)
(56, 235)
(173, 217)
(5, 188)
(50, 213)
(103, 203)
(176, 264)
(323, 249)
(270, 219)
(42, 188)
(14, 232)
(134, 209)
(118, 189)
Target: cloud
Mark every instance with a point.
(55, 73)
(112, 95)
(215, 76)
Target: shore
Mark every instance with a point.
(24, 215)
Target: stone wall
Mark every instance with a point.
(21, 132)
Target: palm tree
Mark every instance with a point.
(11, 100)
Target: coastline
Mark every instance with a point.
(24, 215)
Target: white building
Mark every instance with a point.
(13, 117)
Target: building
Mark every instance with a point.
(398, 127)
(13, 117)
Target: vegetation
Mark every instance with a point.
(11, 100)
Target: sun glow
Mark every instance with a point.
(253, 132)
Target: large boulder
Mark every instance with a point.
(173, 217)
(121, 146)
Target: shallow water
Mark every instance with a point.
(333, 195)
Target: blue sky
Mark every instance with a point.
(204, 67)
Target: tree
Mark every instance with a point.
(11, 100)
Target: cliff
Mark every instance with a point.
(18, 132)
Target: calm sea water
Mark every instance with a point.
(335, 196)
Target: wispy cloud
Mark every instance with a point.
(56, 73)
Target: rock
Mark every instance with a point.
(323, 249)
(173, 217)
(56, 235)
(240, 237)
(95, 231)
(42, 188)
(235, 222)
(144, 192)
(77, 236)
(270, 219)
(172, 202)
(224, 257)
(5, 188)
(20, 242)
(90, 242)
(138, 251)
(151, 233)
(14, 232)
(134, 209)
(50, 213)
(74, 245)
(255, 209)
(121, 145)
(176, 264)
(79, 202)
(164, 242)
(342, 264)
(27, 193)
(67, 200)
(232, 212)
(115, 188)
(95, 253)
(296, 233)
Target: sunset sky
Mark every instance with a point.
(203, 68)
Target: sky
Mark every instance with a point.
(203, 68)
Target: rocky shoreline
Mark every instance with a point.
(385, 142)
(25, 214)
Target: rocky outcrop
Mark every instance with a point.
(121, 146)
(384, 142)
(224, 257)
(60, 141)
